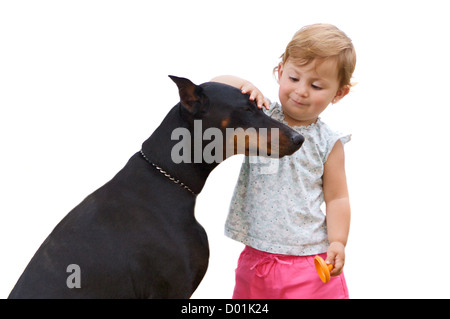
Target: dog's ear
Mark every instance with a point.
(191, 95)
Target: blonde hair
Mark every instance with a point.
(321, 42)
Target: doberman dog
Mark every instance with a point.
(137, 236)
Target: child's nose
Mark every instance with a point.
(301, 90)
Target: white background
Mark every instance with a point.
(84, 83)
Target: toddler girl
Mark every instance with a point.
(275, 210)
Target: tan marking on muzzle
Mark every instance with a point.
(250, 142)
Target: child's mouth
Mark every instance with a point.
(299, 103)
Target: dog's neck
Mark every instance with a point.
(158, 150)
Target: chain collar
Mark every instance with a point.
(173, 179)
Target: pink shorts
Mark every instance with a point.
(262, 275)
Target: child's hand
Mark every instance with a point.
(336, 257)
(246, 87)
(255, 95)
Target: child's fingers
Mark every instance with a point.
(247, 89)
(337, 261)
(336, 257)
(330, 258)
(263, 102)
(255, 95)
(338, 267)
(260, 101)
(266, 103)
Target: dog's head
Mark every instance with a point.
(228, 117)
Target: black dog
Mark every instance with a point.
(137, 236)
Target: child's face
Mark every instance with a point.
(306, 90)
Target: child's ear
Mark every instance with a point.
(343, 91)
(280, 71)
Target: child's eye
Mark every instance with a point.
(316, 87)
(293, 79)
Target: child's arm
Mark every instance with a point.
(337, 207)
(246, 87)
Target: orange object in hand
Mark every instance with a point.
(322, 269)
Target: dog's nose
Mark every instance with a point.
(298, 139)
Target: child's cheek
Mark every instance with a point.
(283, 91)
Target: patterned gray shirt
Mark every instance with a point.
(276, 205)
